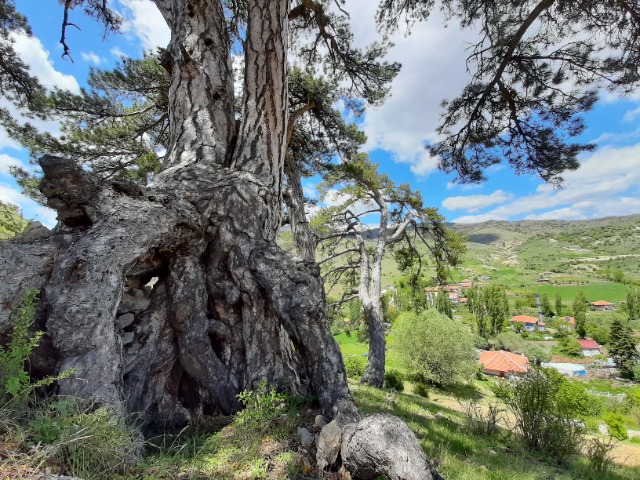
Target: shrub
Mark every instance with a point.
(354, 367)
(394, 380)
(14, 379)
(421, 389)
(433, 345)
(569, 347)
(541, 420)
(480, 422)
(87, 442)
(598, 451)
(262, 405)
(573, 398)
(617, 428)
(509, 341)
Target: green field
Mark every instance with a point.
(612, 292)
(351, 347)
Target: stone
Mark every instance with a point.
(133, 304)
(306, 438)
(123, 321)
(319, 422)
(328, 445)
(127, 338)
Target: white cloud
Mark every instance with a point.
(310, 190)
(6, 161)
(607, 183)
(473, 203)
(144, 20)
(29, 209)
(433, 68)
(116, 52)
(33, 53)
(631, 115)
(463, 186)
(91, 57)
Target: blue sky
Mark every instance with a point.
(607, 183)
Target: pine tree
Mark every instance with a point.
(580, 313)
(622, 348)
(443, 304)
(558, 304)
(633, 304)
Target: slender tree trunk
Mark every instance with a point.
(374, 371)
(304, 239)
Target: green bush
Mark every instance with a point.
(434, 346)
(617, 428)
(261, 406)
(542, 421)
(573, 398)
(569, 347)
(14, 379)
(421, 389)
(394, 380)
(598, 451)
(354, 367)
(87, 442)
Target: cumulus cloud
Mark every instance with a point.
(33, 53)
(607, 183)
(29, 209)
(473, 203)
(631, 115)
(433, 68)
(143, 20)
(6, 162)
(91, 57)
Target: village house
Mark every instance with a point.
(503, 364)
(528, 323)
(590, 348)
(602, 305)
(570, 320)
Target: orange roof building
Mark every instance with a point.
(529, 323)
(603, 305)
(503, 363)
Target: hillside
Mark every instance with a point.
(592, 255)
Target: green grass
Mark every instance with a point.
(462, 455)
(612, 292)
(350, 346)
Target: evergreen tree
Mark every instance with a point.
(633, 304)
(443, 304)
(622, 349)
(558, 304)
(545, 304)
(580, 313)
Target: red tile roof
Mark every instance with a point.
(524, 319)
(570, 320)
(588, 343)
(601, 303)
(501, 361)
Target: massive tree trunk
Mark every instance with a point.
(170, 300)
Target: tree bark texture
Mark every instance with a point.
(167, 301)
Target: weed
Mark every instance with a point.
(394, 380)
(598, 452)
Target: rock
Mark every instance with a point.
(328, 445)
(319, 422)
(127, 338)
(34, 231)
(603, 429)
(133, 304)
(123, 321)
(382, 444)
(440, 416)
(306, 438)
